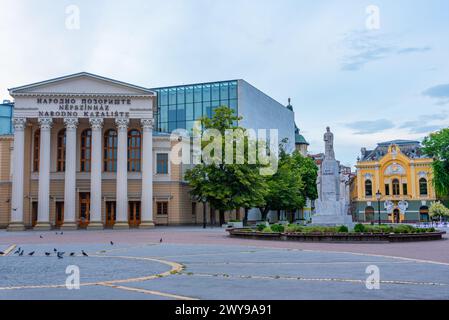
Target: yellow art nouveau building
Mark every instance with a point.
(402, 174)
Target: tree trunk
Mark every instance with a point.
(264, 212)
(222, 217)
(245, 218)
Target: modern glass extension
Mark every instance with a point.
(180, 106)
(6, 110)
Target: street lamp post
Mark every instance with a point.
(378, 196)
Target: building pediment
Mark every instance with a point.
(84, 83)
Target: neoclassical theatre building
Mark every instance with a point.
(87, 152)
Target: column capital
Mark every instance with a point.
(46, 123)
(147, 124)
(71, 123)
(122, 123)
(19, 123)
(96, 123)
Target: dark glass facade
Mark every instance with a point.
(180, 106)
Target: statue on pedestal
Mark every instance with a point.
(332, 205)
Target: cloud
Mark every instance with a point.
(424, 120)
(369, 127)
(363, 47)
(425, 129)
(413, 50)
(439, 92)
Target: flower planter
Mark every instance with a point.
(337, 237)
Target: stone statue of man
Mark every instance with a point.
(329, 144)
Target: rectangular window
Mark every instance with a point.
(216, 92)
(189, 95)
(404, 189)
(172, 113)
(181, 95)
(172, 96)
(206, 92)
(163, 97)
(198, 110)
(162, 163)
(162, 208)
(181, 113)
(189, 111)
(233, 90)
(198, 94)
(387, 189)
(224, 91)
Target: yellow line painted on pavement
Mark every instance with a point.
(157, 293)
(8, 251)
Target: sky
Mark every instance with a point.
(373, 71)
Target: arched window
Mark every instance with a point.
(36, 149)
(369, 214)
(396, 188)
(86, 149)
(368, 188)
(134, 150)
(60, 160)
(110, 151)
(423, 187)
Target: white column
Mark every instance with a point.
(147, 174)
(122, 174)
(16, 222)
(71, 124)
(95, 175)
(43, 215)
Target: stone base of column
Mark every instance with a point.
(16, 226)
(121, 226)
(42, 226)
(147, 225)
(69, 226)
(95, 226)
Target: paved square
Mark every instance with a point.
(192, 263)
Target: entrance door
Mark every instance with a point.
(34, 207)
(397, 216)
(84, 209)
(134, 213)
(111, 213)
(59, 219)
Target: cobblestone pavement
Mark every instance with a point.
(192, 263)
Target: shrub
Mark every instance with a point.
(343, 229)
(359, 228)
(267, 230)
(404, 229)
(260, 227)
(294, 228)
(277, 228)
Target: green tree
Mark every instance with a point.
(285, 187)
(227, 186)
(438, 211)
(436, 145)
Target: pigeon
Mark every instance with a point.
(17, 251)
(55, 250)
(59, 255)
(112, 243)
(72, 254)
(2, 253)
(160, 241)
(41, 237)
(31, 253)
(62, 232)
(47, 254)
(21, 253)
(84, 254)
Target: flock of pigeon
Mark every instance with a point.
(58, 253)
